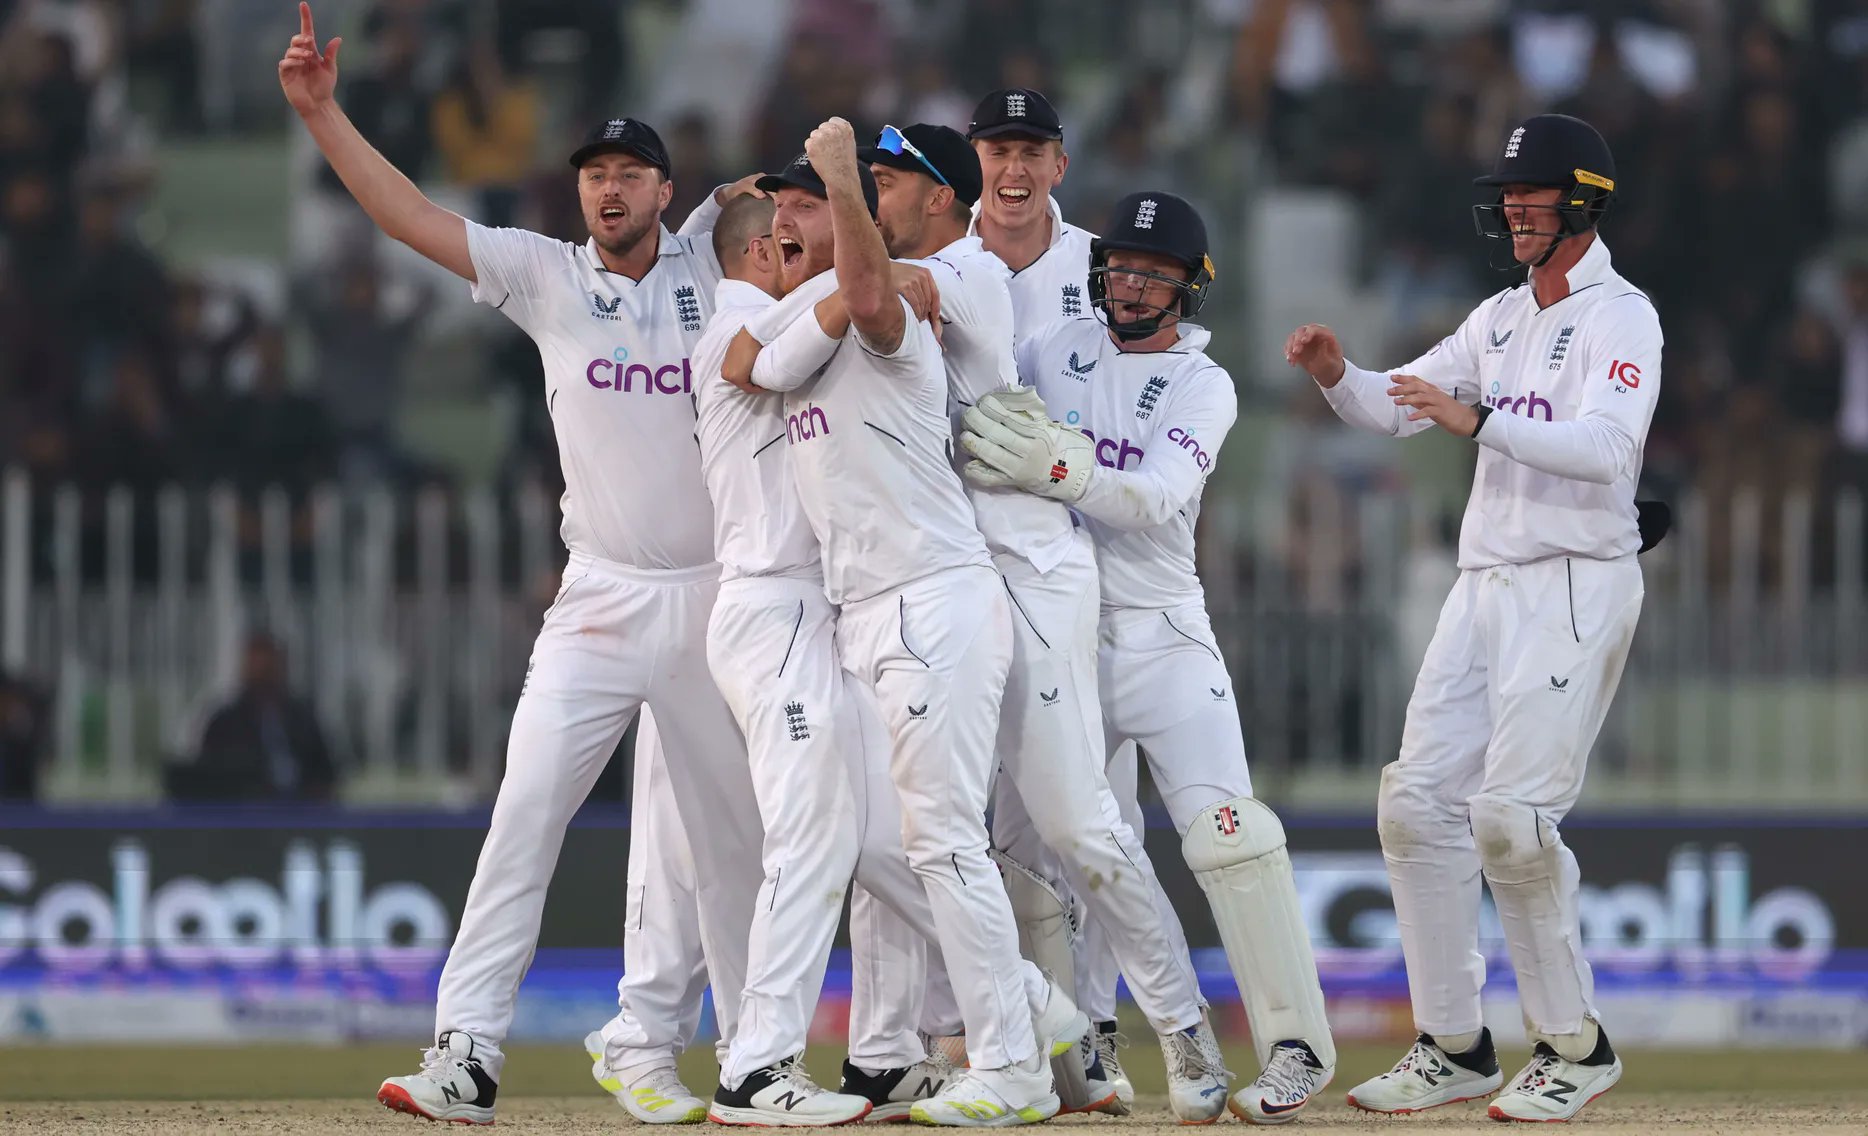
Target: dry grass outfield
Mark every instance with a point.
(278, 1090)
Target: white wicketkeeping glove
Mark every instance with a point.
(1014, 442)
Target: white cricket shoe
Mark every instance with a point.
(1291, 1078)
(1058, 1023)
(992, 1098)
(656, 1096)
(1428, 1077)
(1109, 1065)
(1197, 1074)
(784, 1096)
(452, 1084)
(891, 1092)
(1552, 1087)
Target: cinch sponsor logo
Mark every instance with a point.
(806, 424)
(1525, 404)
(617, 373)
(1184, 439)
(1115, 452)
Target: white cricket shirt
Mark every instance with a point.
(1157, 419)
(871, 448)
(759, 524)
(1572, 387)
(1056, 286)
(618, 384)
(976, 343)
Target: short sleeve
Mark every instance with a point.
(511, 263)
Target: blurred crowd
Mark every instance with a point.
(1740, 129)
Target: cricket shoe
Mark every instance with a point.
(1107, 1042)
(1058, 1023)
(1553, 1087)
(992, 1098)
(784, 1096)
(655, 1096)
(1291, 1078)
(892, 1092)
(1196, 1072)
(452, 1084)
(1427, 1076)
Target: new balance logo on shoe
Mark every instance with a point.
(1560, 1091)
(789, 1099)
(450, 1092)
(930, 1086)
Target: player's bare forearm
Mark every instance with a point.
(399, 208)
(864, 271)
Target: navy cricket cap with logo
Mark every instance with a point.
(1015, 110)
(624, 136)
(939, 152)
(799, 174)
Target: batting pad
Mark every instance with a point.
(1236, 851)
(1047, 931)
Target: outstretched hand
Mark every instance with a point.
(1315, 348)
(308, 75)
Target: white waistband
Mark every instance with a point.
(666, 577)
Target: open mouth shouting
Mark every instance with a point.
(790, 253)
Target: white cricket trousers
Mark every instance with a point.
(1054, 810)
(935, 653)
(615, 638)
(1512, 692)
(1165, 688)
(772, 646)
(664, 969)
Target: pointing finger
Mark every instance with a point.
(304, 20)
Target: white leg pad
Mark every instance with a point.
(1236, 850)
(1047, 934)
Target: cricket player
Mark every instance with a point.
(1555, 379)
(923, 619)
(1020, 142)
(1136, 438)
(614, 320)
(1051, 730)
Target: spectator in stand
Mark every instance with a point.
(693, 151)
(25, 731)
(264, 744)
(388, 102)
(1853, 425)
(486, 129)
(361, 352)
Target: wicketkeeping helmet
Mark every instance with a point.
(1158, 223)
(1559, 152)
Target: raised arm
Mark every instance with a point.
(863, 268)
(308, 76)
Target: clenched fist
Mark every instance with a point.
(832, 150)
(1315, 348)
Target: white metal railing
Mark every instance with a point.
(408, 619)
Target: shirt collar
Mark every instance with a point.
(1057, 221)
(665, 245)
(730, 293)
(1593, 268)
